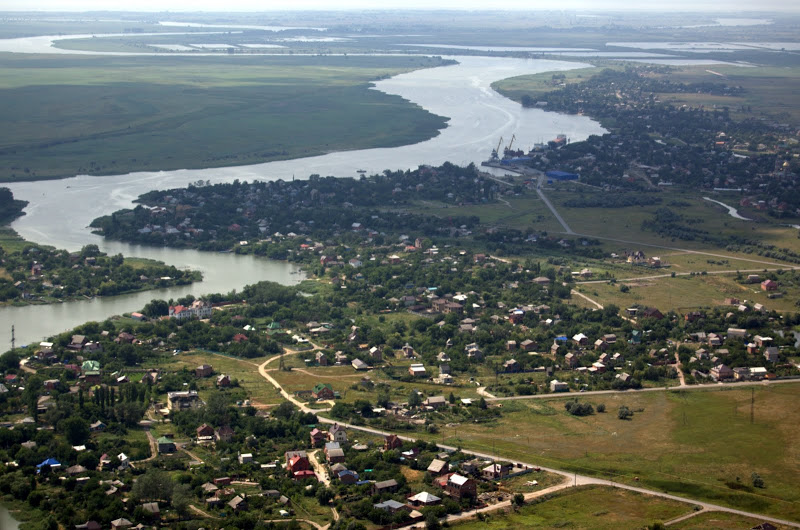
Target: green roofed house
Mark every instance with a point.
(91, 372)
(273, 327)
(636, 337)
(322, 391)
(165, 445)
(90, 366)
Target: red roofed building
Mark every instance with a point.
(769, 285)
(239, 337)
(392, 442)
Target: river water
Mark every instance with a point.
(60, 211)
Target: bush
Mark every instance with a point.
(579, 409)
(624, 413)
(601, 407)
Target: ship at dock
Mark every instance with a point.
(517, 157)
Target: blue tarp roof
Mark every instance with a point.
(49, 462)
(562, 338)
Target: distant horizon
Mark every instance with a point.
(729, 8)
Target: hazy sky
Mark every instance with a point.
(265, 5)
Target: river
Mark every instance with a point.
(60, 211)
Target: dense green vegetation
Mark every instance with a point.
(10, 208)
(195, 112)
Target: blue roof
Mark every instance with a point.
(49, 462)
(562, 338)
(362, 482)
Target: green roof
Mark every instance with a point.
(274, 325)
(164, 440)
(90, 365)
(321, 386)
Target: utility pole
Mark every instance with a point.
(13, 340)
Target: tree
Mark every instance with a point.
(154, 484)
(482, 403)
(414, 399)
(758, 482)
(518, 500)
(432, 522)
(76, 429)
(624, 413)
(284, 410)
(181, 498)
(451, 398)
(601, 407)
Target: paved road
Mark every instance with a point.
(557, 215)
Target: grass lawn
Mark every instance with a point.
(767, 90)
(587, 507)
(261, 392)
(694, 443)
(10, 241)
(718, 521)
(686, 293)
(108, 115)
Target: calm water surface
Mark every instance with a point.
(60, 211)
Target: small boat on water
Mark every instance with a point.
(361, 171)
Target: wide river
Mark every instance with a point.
(60, 211)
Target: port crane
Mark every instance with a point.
(496, 152)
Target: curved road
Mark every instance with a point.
(570, 478)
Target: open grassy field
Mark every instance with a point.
(696, 443)
(768, 91)
(687, 293)
(10, 241)
(71, 115)
(244, 370)
(538, 84)
(718, 521)
(587, 507)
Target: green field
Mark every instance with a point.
(71, 115)
(587, 507)
(695, 443)
(688, 293)
(718, 521)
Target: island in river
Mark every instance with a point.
(32, 273)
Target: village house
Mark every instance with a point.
(769, 285)
(435, 402)
(205, 433)
(384, 486)
(438, 467)
(721, 372)
(337, 433)
(321, 359)
(359, 365)
(322, 391)
(424, 498)
(528, 345)
(224, 434)
(392, 442)
(165, 445)
(223, 381)
(495, 471)
(771, 354)
(317, 437)
(417, 370)
(571, 359)
(558, 386)
(204, 370)
(512, 366)
(458, 486)
(183, 400)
